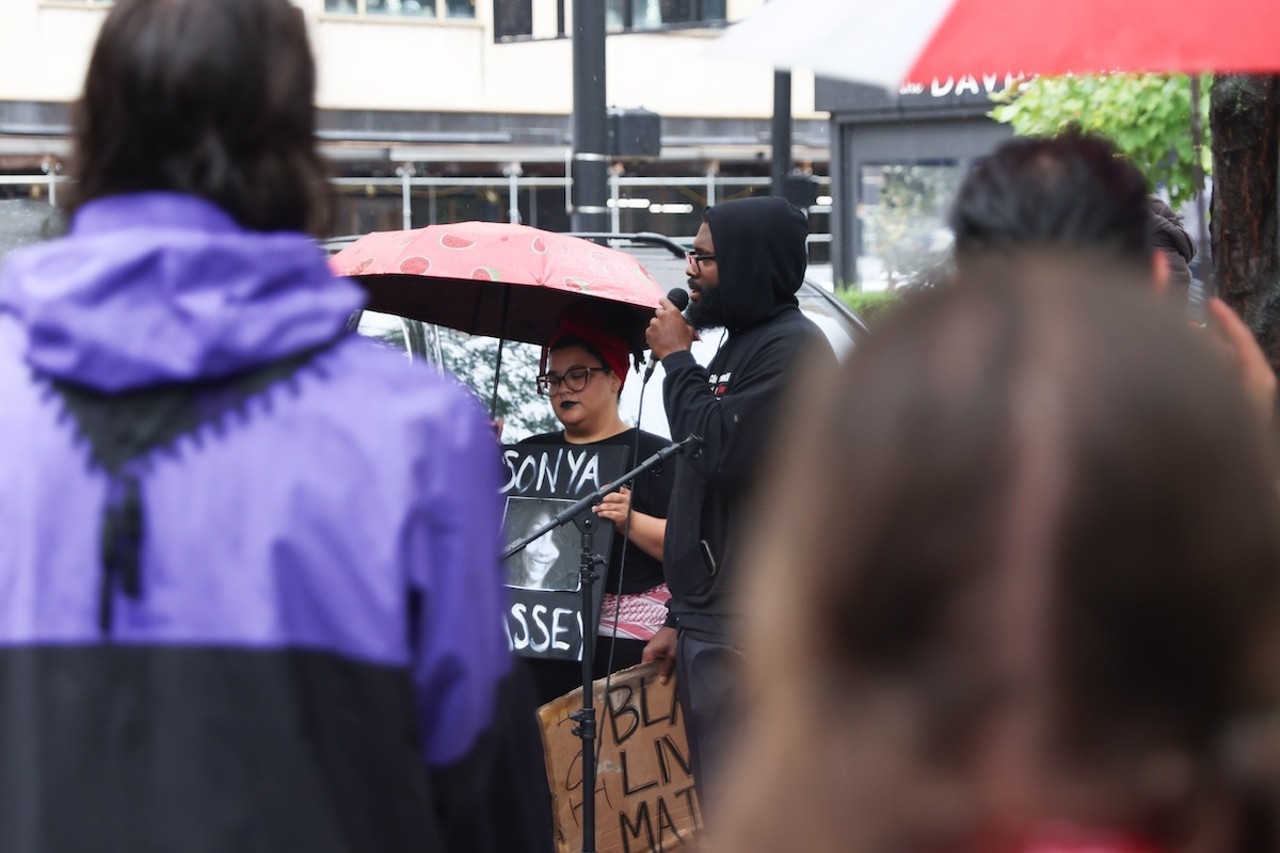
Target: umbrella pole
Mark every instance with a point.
(497, 368)
(497, 374)
(1197, 172)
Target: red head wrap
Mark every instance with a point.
(586, 322)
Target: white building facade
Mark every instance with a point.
(442, 110)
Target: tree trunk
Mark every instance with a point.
(1244, 116)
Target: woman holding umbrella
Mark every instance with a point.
(585, 368)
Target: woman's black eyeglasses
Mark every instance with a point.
(697, 259)
(574, 380)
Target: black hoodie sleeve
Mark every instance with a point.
(736, 427)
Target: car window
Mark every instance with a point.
(387, 329)
(471, 360)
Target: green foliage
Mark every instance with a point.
(869, 304)
(1148, 116)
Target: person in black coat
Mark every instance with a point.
(748, 261)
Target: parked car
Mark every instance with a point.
(512, 395)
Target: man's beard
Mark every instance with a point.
(708, 311)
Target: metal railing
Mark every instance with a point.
(699, 191)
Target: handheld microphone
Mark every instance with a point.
(678, 297)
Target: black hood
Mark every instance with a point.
(761, 257)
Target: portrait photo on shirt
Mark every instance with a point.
(549, 562)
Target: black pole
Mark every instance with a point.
(586, 715)
(590, 167)
(781, 134)
(497, 368)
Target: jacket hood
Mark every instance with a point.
(158, 287)
(761, 257)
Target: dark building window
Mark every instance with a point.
(403, 8)
(663, 14)
(512, 18)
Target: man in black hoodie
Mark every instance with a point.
(747, 263)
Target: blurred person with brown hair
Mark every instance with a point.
(1077, 193)
(1016, 588)
(252, 596)
(1071, 192)
(1175, 247)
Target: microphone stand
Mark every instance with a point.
(581, 515)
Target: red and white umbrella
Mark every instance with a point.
(916, 41)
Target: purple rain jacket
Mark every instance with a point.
(316, 660)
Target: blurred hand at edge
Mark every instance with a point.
(1256, 375)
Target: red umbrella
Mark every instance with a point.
(499, 280)
(915, 41)
(496, 279)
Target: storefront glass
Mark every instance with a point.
(902, 215)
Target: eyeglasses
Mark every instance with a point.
(696, 259)
(574, 380)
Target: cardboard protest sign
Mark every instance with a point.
(645, 799)
(545, 618)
